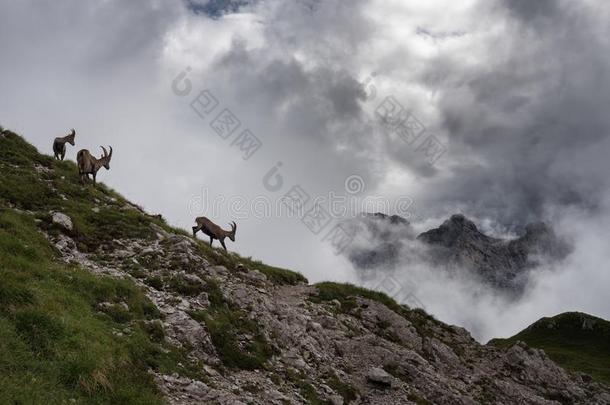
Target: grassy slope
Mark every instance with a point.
(54, 342)
(54, 339)
(565, 341)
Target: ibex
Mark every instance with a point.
(89, 165)
(214, 231)
(59, 145)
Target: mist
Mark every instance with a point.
(458, 297)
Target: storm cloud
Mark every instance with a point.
(534, 115)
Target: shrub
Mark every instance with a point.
(154, 330)
(185, 286)
(155, 282)
(347, 392)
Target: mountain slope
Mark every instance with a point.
(62, 328)
(103, 303)
(577, 341)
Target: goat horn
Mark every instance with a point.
(73, 132)
(105, 151)
(110, 151)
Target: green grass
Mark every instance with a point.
(308, 392)
(347, 392)
(276, 274)
(305, 387)
(396, 370)
(185, 287)
(155, 282)
(346, 293)
(566, 342)
(413, 397)
(55, 341)
(226, 324)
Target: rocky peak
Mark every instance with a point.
(457, 230)
(392, 219)
(503, 264)
(386, 227)
(460, 221)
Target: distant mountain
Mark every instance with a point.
(503, 264)
(577, 341)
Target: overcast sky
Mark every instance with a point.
(499, 109)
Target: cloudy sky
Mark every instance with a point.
(499, 109)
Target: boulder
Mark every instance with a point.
(62, 220)
(379, 376)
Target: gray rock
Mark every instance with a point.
(296, 362)
(379, 376)
(197, 388)
(62, 220)
(64, 243)
(255, 277)
(336, 400)
(192, 278)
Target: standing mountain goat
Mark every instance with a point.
(214, 231)
(89, 165)
(59, 145)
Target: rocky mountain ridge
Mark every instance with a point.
(458, 245)
(244, 332)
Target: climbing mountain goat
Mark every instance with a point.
(214, 231)
(59, 145)
(89, 165)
